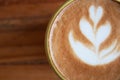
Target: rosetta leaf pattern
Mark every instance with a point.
(96, 36)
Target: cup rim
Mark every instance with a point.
(47, 49)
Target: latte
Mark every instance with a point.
(83, 40)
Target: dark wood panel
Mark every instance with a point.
(30, 16)
(22, 46)
(17, 11)
(22, 38)
(24, 24)
(22, 54)
(12, 2)
(27, 72)
(22, 29)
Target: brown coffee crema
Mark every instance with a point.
(101, 19)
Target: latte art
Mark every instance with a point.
(96, 36)
(84, 40)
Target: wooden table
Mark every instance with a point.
(22, 31)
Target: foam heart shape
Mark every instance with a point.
(95, 14)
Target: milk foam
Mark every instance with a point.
(96, 37)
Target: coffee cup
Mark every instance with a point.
(83, 40)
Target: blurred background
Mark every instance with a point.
(22, 32)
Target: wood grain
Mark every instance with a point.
(27, 72)
(21, 38)
(12, 2)
(22, 11)
(23, 25)
(22, 45)
(22, 54)
(22, 29)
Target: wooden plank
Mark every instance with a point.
(22, 46)
(23, 54)
(12, 2)
(22, 29)
(22, 38)
(29, 16)
(24, 24)
(27, 72)
(27, 10)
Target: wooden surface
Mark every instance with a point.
(22, 31)
(27, 72)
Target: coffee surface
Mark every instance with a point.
(84, 40)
